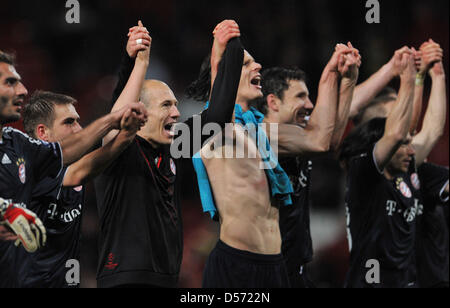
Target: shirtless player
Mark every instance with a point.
(248, 253)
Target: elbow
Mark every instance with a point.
(321, 147)
(397, 137)
(73, 180)
(439, 133)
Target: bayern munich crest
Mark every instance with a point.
(404, 188)
(415, 181)
(22, 172)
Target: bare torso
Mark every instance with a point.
(248, 220)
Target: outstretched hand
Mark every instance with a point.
(338, 59)
(349, 61)
(223, 33)
(139, 40)
(396, 64)
(121, 116)
(430, 53)
(131, 121)
(405, 62)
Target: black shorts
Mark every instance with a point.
(228, 267)
(300, 279)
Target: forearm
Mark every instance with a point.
(126, 67)
(399, 119)
(94, 163)
(76, 145)
(434, 121)
(131, 92)
(323, 119)
(365, 92)
(435, 116)
(224, 91)
(132, 89)
(417, 106)
(345, 100)
(397, 125)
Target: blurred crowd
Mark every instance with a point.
(81, 60)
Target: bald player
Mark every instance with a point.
(141, 236)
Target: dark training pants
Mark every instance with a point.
(228, 267)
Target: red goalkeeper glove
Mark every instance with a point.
(24, 223)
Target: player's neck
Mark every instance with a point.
(1, 132)
(390, 174)
(270, 118)
(243, 104)
(147, 138)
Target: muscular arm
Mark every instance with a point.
(126, 67)
(434, 120)
(368, 90)
(95, 162)
(347, 88)
(350, 73)
(76, 145)
(315, 138)
(224, 91)
(399, 119)
(225, 87)
(132, 90)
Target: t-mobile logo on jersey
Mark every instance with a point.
(373, 274)
(73, 274)
(391, 206)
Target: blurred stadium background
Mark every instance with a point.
(82, 59)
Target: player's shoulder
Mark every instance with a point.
(16, 134)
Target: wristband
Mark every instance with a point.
(420, 79)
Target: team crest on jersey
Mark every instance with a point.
(78, 188)
(173, 167)
(404, 188)
(22, 172)
(415, 181)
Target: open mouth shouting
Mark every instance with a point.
(169, 129)
(256, 81)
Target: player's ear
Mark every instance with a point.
(273, 102)
(42, 132)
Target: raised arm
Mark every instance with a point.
(435, 116)
(95, 162)
(365, 92)
(399, 119)
(223, 33)
(76, 145)
(132, 89)
(316, 136)
(226, 83)
(349, 72)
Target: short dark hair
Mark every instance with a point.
(275, 81)
(41, 109)
(361, 139)
(386, 95)
(200, 88)
(7, 58)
